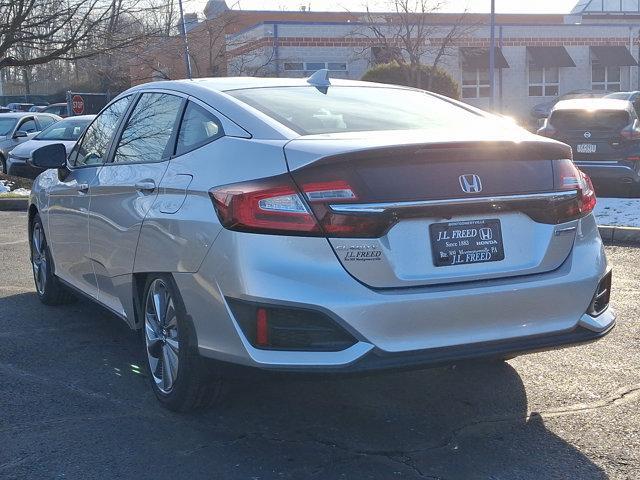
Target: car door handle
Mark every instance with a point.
(146, 186)
(82, 187)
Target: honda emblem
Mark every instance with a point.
(470, 183)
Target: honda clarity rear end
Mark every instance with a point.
(318, 226)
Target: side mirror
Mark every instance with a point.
(20, 134)
(50, 156)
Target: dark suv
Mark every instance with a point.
(605, 137)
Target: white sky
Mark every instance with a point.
(479, 6)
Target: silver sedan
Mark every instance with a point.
(319, 226)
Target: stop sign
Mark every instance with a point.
(77, 104)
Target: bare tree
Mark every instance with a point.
(408, 34)
(34, 32)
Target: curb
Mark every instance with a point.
(14, 204)
(612, 234)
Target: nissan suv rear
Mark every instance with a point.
(605, 137)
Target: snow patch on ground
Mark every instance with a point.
(5, 187)
(21, 191)
(623, 212)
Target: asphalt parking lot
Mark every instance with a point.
(75, 405)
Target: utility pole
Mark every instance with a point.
(187, 60)
(492, 56)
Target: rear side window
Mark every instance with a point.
(149, 129)
(590, 120)
(93, 148)
(309, 110)
(28, 126)
(198, 127)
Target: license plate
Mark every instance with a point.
(471, 241)
(586, 148)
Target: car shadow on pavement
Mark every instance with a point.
(74, 387)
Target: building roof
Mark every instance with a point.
(587, 7)
(236, 21)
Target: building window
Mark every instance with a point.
(543, 81)
(475, 82)
(310, 67)
(605, 78)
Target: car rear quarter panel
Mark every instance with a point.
(182, 224)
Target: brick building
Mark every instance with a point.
(595, 46)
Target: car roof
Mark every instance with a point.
(225, 84)
(593, 104)
(22, 114)
(628, 94)
(59, 104)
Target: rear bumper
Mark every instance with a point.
(377, 360)
(609, 171)
(395, 328)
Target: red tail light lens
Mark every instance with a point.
(276, 206)
(588, 194)
(569, 177)
(631, 132)
(272, 205)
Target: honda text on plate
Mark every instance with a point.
(317, 225)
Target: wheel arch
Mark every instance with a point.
(138, 286)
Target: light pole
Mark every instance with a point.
(187, 60)
(492, 55)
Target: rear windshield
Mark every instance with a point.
(311, 110)
(584, 119)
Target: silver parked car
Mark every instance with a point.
(66, 131)
(18, 127)
(317, 226)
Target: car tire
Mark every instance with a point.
(168, 338)
(49, 289)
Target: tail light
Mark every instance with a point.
(272, 205)
(275, 205)
(631, 132)
(569, 177)
(547, 130)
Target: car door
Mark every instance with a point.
(125, 188)
(69, 199)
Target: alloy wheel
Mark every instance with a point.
(39, 258)
(161, 335)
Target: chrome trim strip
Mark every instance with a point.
(604, 165)
(382, 207)
(562, 231)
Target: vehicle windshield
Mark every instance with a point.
(310, 110)
(6, 125)
(63, 130)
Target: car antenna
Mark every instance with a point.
(320, 80)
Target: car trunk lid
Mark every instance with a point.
(440, 199)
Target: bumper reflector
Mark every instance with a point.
(602, 296)
(271, 327)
